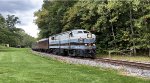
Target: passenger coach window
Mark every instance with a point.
(79, 31)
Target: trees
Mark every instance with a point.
(26, 40)
(50, 16)
(2, 21)
(120, 25)
(11, 35)
(11, 21)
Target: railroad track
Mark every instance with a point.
(119, 62)
(126, 63)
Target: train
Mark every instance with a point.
(77, 42)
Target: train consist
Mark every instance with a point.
(77, 42)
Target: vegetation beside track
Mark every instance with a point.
(121, 25)
(128, 58)
(11, 35)
(2, 47)
(21, 66)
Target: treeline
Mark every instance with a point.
(11, 35)
(119, 25)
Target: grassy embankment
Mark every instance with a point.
(21, 66)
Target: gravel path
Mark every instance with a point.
(127, 70)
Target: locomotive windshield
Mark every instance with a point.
(85, 31)
(79, 31)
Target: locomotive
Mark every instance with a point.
(78, 42)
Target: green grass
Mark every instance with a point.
(129, 58)
(2, 47)
(21, 66)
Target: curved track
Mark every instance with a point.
(126, 63)
(119, 62)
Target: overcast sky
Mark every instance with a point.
(24, 9)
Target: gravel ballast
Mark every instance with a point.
(126, 69)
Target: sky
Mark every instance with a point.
(24, 9)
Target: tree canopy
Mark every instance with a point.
(11, 35)
(118, 24)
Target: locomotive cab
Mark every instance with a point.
(83, 36)
(82, 33)
(83, 42)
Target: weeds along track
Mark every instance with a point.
(126, 63)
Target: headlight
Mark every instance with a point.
(81, 40)
(86, 44)
(89, 35)
(93, 44)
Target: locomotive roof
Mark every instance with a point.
(45, 39)
(78, 30)
(70, 31)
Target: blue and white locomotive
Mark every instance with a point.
(77, 42)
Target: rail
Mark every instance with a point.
(127, 63)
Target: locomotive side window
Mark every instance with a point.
(70, 34)
(52, 38)
(79, 31)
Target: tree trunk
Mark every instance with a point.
(112, 29)
(149, 52)
(132, 32)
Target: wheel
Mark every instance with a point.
(72, 53)
(93, 56)
(65, 52)
(54, 52)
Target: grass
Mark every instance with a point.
(2, 47)
(21, 66)
(129, 58)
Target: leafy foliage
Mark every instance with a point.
(11, 35)
(118, 24)
(50, 16)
